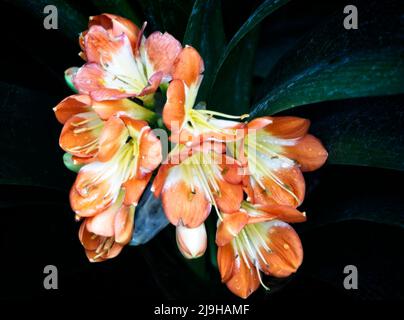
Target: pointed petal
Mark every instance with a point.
(103, 223)
(183, 204)
(152, 84)
(112, 138)
(80, 134)
(87, 239)
(162, 50)
(225, 261)
(286, 249)
(230, 227)
(123, 225)
(231, 170)
(308, 152)
(288, 127)
(91, 194)
(188, 67)
(230, 196)
(244, 281)
(159, 179)
(276, 212)
(100, 47)
(286, 187)
(174, 109)
(259, 123)
(134, 189)
(191, 242)
(150, 151)
(117, 25)
(126, 107)
(72, 105)
(91, 79)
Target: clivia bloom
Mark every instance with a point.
(84, 118)
(203, 177)
(187, 124)
(128, 153)
(121, 62)
(257, 239)
(274, 151)
(104, 235)
(109, 188)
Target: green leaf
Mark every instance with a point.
(362, 132)
(259, 14)
(333, 63)
(70, 20)
(363, 194)
(206, 34)
(29, 139)
(365, 132)
(232, 90)
(119, 7)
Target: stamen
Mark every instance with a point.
(260, 279)
(224, 115)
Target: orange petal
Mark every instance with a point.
(103, 223)
(117, 25)
(100, 47)
(87, 239)
(162, 50)
(244, 281)
(90, 79)
(288, 127)
(230, 227)
(112, 138)
(109, 108)
(87, 197)
(231, 170)
(225, 261)
(174, 109)
(159, 179)
(289, 191)
(183, 205)
(152, 84)
(188, 67)
(123, 226)
(150, 151)
(134, 189)
(286, 250)
(277, 212)
(230, 196)
(308, 152)
(259, 123)
(191, 242)
(72, 105)
(80, 134)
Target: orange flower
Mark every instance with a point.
(83, 121)
(104, 235)
(121, 62)
(256, 239)
(194, 180)
(275, 151)
(189, 125)
(107, 190)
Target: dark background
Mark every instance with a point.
(37, 226)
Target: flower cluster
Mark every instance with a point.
(248, 173)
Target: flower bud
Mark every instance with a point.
(191, 242)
